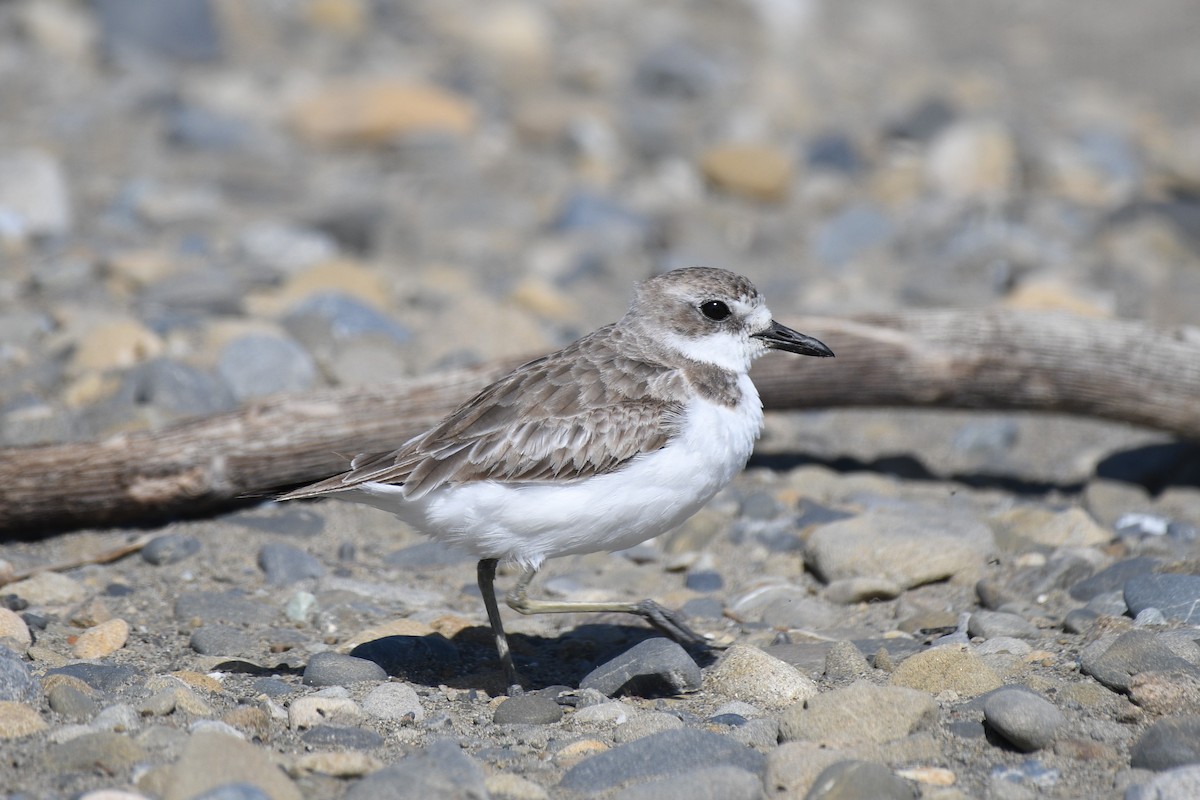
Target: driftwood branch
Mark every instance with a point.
(995, 360)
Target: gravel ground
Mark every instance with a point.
(204, 202)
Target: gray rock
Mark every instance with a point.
(181, 388)
(703, 608)
(198, 128)
(34, 197)
(1113, 578)
(647, 723)
(213, 760)
(103, 678)
(850, 233)
(285, 248)
(1169, 743)
(396, 701)
(222, 640)
(287, 519)
(858, 714)
(1023, 718)
(336, 669)
(991, 624)
(1131, 653)
(845, 662)
(71, 702)
(661, 755)
(170, 549)
(230, 606)
(527, 709)
(655, 666)
(1176, 596)
(853, 780)
(834, 151)
(331, 316)
(257, 365)
(286, 564)
(922, 123)
(713, 783)
(234, 791)
(109, 752)
(704, 581)
(347, 737)
(180, 29)
(1108, 604)
(17, 683)
(441, 770)
(1181, 783)
(1080, 620)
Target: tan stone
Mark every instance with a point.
(116, 344)
(341, 275)
(90, 388)
(973, 159)
(341, 764)
(377, 111)
(14, 628)
(18, 720)
(1056, 295)
(946, 669)
(760, 172)
(748, 674)
(506, 786)
(1071, 528)
(575, 752)
(47, 589)
(344, 17)
(198, 680)
(241, 762)
(102, 640)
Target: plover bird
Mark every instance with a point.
(606, 443)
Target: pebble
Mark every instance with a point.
(181, 389)
(234, 791)
(18, 720)
(859, 713)
(211, 760)
(910, 549)
(748, 674)
(17, 682)
(14, 629)
(527, 709)
(337, 763)
(223, 640)
(170, 548)
(47, 589)
(374, 112)
(187, 30)
(104, 678)
(314, 709)
(109, 752)
(232, 607)
(1176, 596)
(1114, 577)
(760, 172)
(652, 667)
(947, 668)
(348, 737)
(662, 755)
(993, 624)
(1025, 719)
(1115, 662)
(712, 783)
(853, 232)
(973, 159)
(300, 607)
(793, 767)
(848, 780)
(506, 786)
(259, 365)
(285, 564)
(1021, 528)
(845, 662)
(1166, 693)
(441, 769)
(34, 193)
(102, 640)
(72, 701)
(862, 590)
(704, 581)
(1171, 742)
(395, 701)
(607, 712)
(646, 724)
(1180, 783)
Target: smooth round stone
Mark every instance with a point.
(1131, 653)
(169, 549)
(1176, 596)
(104, 678)
(646, 724)
(704, 581)
(258, 365)
(1181, 783)
(17, 682)
(853, 780)
(71, 702)
(1168, 743)
(393, 701)
(222, 640)
(991, 624)
(336, 669)
(285, 564)
(527, 709)
(1026, 720)
(845, 661)
(654, 666)
(857, 714)
(1113, 578)
(232, 606)
(339, 736)
(1108, 604)
(861, 590)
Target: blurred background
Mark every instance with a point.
(208, 201)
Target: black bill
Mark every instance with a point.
(781, 337)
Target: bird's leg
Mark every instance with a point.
(669, 622)
(486, 572)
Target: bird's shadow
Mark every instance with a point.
(468, 660)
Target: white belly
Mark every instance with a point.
(650, 495)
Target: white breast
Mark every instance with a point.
(649, 496)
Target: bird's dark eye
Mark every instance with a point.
(714, 310)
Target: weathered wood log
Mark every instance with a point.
(995, 360)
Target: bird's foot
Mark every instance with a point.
(671, 623)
